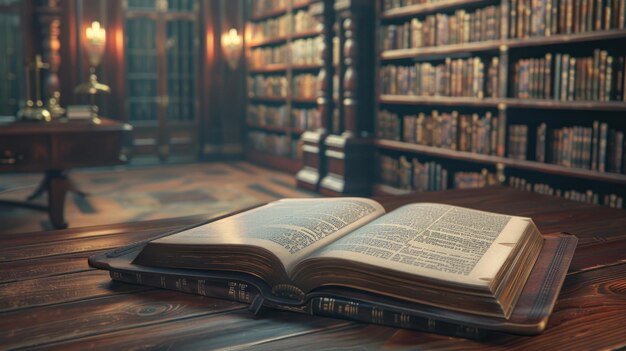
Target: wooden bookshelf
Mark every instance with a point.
(580, 173)
(439, 101)
(305, 67)
(495, 45)
(559, 39)
(268, 15)
(507, 102)
(299, 100)
(307, 34)
(427, 8)
(268, 41)
(416, 53)
(288, 70)
(272, 68)
(565, 105)
(268, 98)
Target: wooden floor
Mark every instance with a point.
(128, 194)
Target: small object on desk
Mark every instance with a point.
(424, 266)
(79, 112)
(34, 110)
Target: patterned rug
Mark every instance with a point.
(133, 194)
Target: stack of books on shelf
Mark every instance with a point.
(263, 115)
(518, 140)
(447, 130)
(304, 22)
(412, 175)
(530, 18)
(393, 4)
(263, 56)
(453, 77)
(566, 77)
(279, 145)
(470, 180)
(442, 29)
(306, 51)
(267, 86)
(597, 148)
(262, 7)
(306, 118)
(589, 196)
(303, 86)
(400, 173)
(269, 29)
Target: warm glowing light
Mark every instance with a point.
(232, 45)
(94, 44)
(95, 33)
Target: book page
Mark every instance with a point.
(434, 240)
(289, 228)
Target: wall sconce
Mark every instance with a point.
(232, 45)
(95, 40)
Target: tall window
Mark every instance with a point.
(161, 69)
(11, 62)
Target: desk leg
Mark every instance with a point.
(57, 188)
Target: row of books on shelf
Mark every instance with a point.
(270, 28)
(267, 86)
(275, 144)
(307, 51)
(261, 7)
(263, 115)
(263, 56)
(598, 148)
(458, 78)
(442, 29)
(306, 118)
(302, 86)
(449, 130)
(530, 18)
(300, 52)
(600, 77)
(301, 118)
(589, 196)
(428, 176)
(394, 4)
(303, 22)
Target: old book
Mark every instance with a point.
(437, 263)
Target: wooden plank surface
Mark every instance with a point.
(51, 299)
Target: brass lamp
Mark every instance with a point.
(232, 44)
(94, 45)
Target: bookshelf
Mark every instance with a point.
(283, 42)
(559, 132)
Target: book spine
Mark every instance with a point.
(371, 313)
(234, 290)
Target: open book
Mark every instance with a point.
(426, 258)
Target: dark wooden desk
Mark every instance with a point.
(56, 147)
(50, 298)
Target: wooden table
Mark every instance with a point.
(56, 147)
(50, 298)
